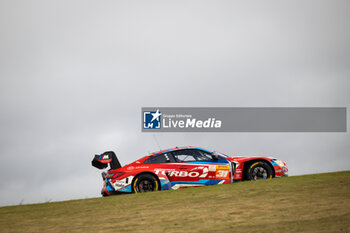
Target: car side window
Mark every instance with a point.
(208, 156)
(191, 156)
(163, 158)
(204, 156)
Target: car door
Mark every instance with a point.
(220, 170)
(197, 168)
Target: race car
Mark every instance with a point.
(183, 167)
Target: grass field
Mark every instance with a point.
(310, 203)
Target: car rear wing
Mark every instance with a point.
(102, 161)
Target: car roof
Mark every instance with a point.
(181, 148)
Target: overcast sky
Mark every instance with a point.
(75, 74)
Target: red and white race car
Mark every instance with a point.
(182, 167)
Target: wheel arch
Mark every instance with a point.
(246, 165)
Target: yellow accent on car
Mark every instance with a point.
(254, 164)
(222, 167)
(156, 185)
(135, 185)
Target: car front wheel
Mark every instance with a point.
(259, 171)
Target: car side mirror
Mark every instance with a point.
(214, 156)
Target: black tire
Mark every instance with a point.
(145, 183)
(259, 171)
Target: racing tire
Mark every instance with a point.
(145, 183)
(259, 171)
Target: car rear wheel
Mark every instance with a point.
(259, 171)
(145, 183)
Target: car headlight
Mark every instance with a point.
(279, 162)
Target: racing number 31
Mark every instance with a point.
(222, 173)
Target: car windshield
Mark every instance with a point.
(221, 154)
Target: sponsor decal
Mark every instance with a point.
(162, 171)
(174, 173)
(212, 168)
(205, 171)
(120, 184)
(138, 167)
(222, 171)
(117, 185)
(222, 167)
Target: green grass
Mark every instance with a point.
(310, 203)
